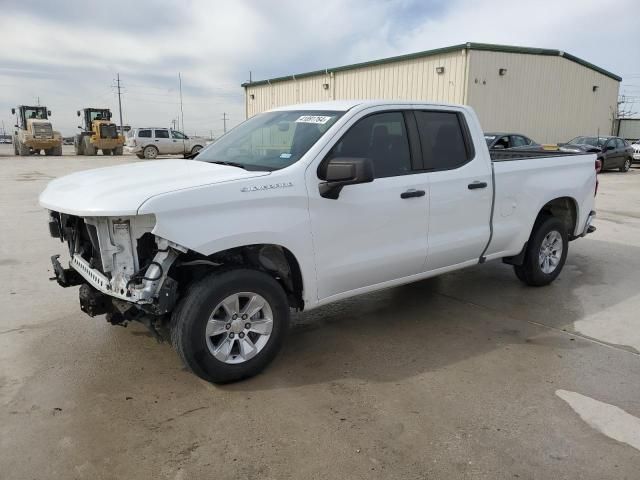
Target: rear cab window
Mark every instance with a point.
(445, 139)
(144, 133)
(161, 133)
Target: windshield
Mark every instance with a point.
(99, 115)
(593, 141)
(35, 112)
(272, 140)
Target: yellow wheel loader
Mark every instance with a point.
(33, 132)
(98, 132)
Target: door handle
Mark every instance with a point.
(412, 193)
(474, 185)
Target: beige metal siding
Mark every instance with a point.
(548, 98)
(413, 79)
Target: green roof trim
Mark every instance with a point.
(438, 51)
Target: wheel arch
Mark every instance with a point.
(274, 259)
(564, 208)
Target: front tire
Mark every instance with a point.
(230, 324)
(546, 252)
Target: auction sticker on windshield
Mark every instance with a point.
(319, 119)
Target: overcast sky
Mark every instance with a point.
(68, 52)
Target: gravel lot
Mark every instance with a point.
(468, 375)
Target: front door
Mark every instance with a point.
(162, 141)
(373, 232)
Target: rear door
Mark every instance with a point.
(179, 142)
(460, 189)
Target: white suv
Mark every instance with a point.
(636, 151)
(151, 142)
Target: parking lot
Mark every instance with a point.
(467, 375)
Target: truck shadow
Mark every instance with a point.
(429, 325)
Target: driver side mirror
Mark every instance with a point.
(78, 112)
(610, 147)
(49, 113)
(340, 172)
(13, 111)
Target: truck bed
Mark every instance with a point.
(523, 154)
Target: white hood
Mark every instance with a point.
(120, 190)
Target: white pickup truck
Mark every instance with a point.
(302, 206)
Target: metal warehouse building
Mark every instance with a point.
(548, 95)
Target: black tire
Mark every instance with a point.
(16, 152)
(107, 151)
(88, 147)
(150, 152)
(57, 151)
(530, 272)
(195, 149)
(626, 165)
(117, 151)
(189, 321)
(23, 150)
(77, 146)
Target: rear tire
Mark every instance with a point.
(106, 151)
(215, 332)
(546, 252)
(626, 165)
(23, 150)
(117, 151)
(150, 152)
(88, 147)
(77, 147)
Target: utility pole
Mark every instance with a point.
(120, 103)
(38, 101)
(224, 121)
(181, 110)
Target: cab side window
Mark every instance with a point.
(382, 137)
(144, 134)
(177, 135)
(445, 145)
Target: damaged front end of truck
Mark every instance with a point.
(124, 271)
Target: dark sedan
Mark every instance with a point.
(613, 152)
(504, 140)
